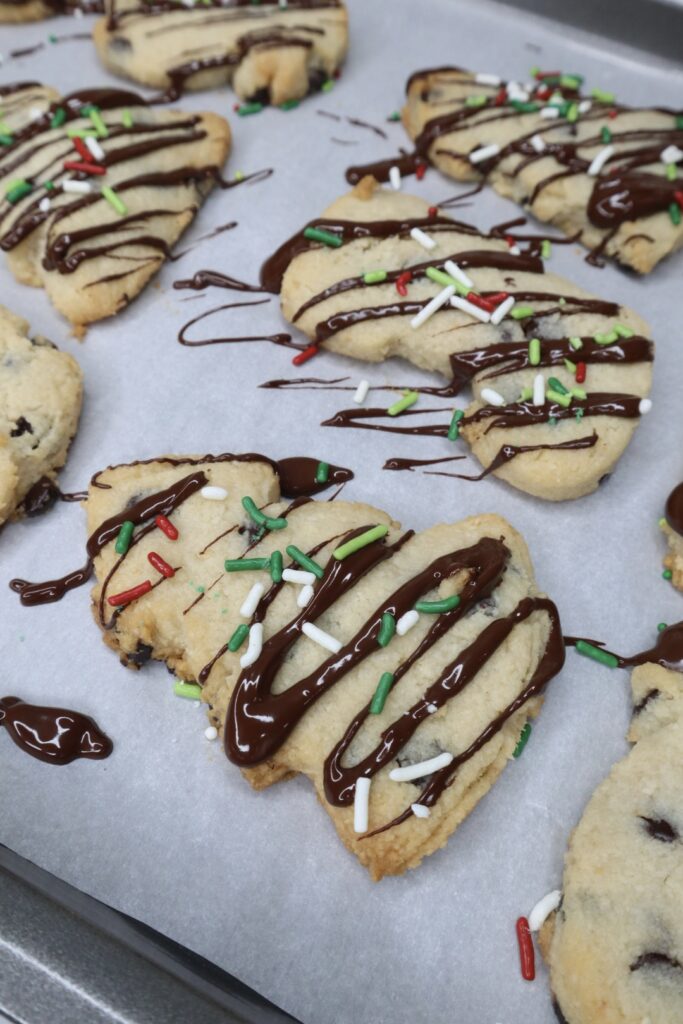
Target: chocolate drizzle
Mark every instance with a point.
(54, 735)
(44, 494)
(674, 509)
(508, 452)
(215, 279)
(284, 340)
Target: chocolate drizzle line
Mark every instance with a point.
(508, 452)
(284, 340)
(54, 735)
(667, 651)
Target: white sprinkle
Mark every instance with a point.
(251, 600)
(538, 143)
(430, 309)
(319, 636)
(361, 800)
(502, 310)
(514, 250)
(407, 621)
(424, 240)
(44, 205)
(361, 392)
(283, 5)
(549, 113)
(483, 78)
(78, 13)
(187, 3)
(517, 92)
(420, 811)
(599, 161)
(432, 709)
(298, 576)
(211, 733)
(416, 771)
(35, 113)
(76, 186)
(395, 178)
(543, 909)
(644, 406)
(671, 155)
(469, 307)
(454, 270)
(94, 147)
(484, 153)
(584, 106)
(305, 595)
(539, 390)
(214, 493)
(255, 644)
(491, 397)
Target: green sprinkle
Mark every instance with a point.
(476, 101)
(571, 81)
(124, 538)
(571, 367)
(523, 740)
(671, 172)
(535, 351)
(58, 118)
(247, 109)
(602, 97)
(552, 420)
(679, 121)
(260, 518)
(661, 627)
(576, 343)
(188, 690)
(667, 574)
(386, 630)
(557, 385)
(521, 312)
(580, 394)
(81, 133)
(446, 604)
(573, 113)
(52, 38)
(559, 398)
(410, 398)
(126, 119)
(239, 175)
(362, 541)
(375, 276)
(322, 473)
(675, 213)
(326, 237)
(112, 198)
(6, 140)
(546, 249)
(238, 637)
(381, 693)
(578, 414)
(328, 86)
(289, 105)
(302, 559)
(276, 566)
(624, 332)
(245, 564)
(526, 394)
(48, 185)
(562, 301)
(605, 134)
(17, 191)
(605, 339)
(97, 122)
(534, 71)
(439, 277)
(454, 428)
(525, 108)
(597, 654)
(661, 522)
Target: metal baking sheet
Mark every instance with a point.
(166, 830)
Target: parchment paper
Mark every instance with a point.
(166, 829)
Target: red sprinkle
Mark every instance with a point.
(160, 565)
(497, 298)
(540, 75)
(433, 211)
(130, 595)
(580, 373)
(510, 240)
(612, 114)
(84, 168)
(481, 302)
(543, 93)
(527, 959)
(420, 171)
(501, 97)
(678, 196)
(303, 357)
(83, 150)
(167, 527)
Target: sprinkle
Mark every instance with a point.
(580, 373)
(238, 637)
(386, 630)
(599, 161)
(436, 303)
(526, 949)
(396, 116)
(260, 518)
(326, 237)
(322, 473)
(319, 636)
(44, 205)
(361, 800)
(454, 428)
(420, 171)
(167, 527)
(124, 537)
(535, 351)
(576, 343)
(557, 385)
(661, 627)
(82, 149)
(402, 281)
(480, 302)
(362, 541)
(303, 560)
(671, 172)
(571, 367)
(276, 566)
(546, 249)
(543, 909)
(83, 167)
(440, 607)
(245, 564)
(539, 390)
(214, 493)
(572, 113)
(549, 113)
(17, 191)
(491, 397)
(417, 771)
(423, 239)
(601, 96)
(112, 198)
(211, 733)
(95, 149)
(6, 138)
(407, 621)
(522, 312)
(304, 356)
(48, 185)
(644, 406)
(374, 276)
(126, 119)
(246, 109)
(432, 709)
(301, 576)
(305, 596)
(457, 274)
(671, 155)
(559, 398)
(605, 134)
(161, 565)
(250, 603)
(484, 153)
(438, 276)
(289, 105)
(97, 122)
(469, 307)
(523, 740)
(361, 392)
(538, 143)
(118, 600)
(420, 811)
(328, 86)
(596, 653)
(409, 399)
(254, 647)
(79, 133)
(526, 394)
(58, 118)
(475, 101)
(483, 78)
(675, 213)
(605, 339)
(502, 310)
(395, 178)
(667, 574)
(381, 693)
(190, 691)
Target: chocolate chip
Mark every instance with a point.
(558, 1013)
(261, 96)
(650, 695)
(21, 427)
(660, 829)
(40, 497)
(655, 960)
(140, 656)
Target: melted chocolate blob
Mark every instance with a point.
(674, 509)
(54, 735)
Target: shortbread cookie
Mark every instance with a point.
(672, 525)
(270, 52)
(357, 281)
(97, 189)
(16, 11)
(324, 648)
(41, 391)
(590, 166)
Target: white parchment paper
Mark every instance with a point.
(166, 829)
